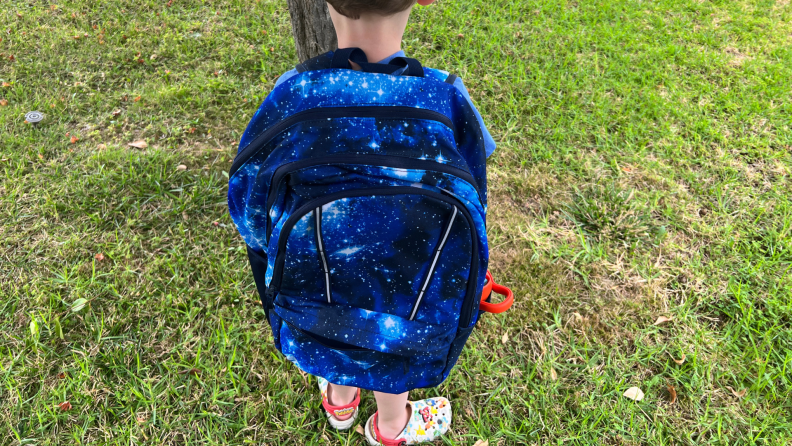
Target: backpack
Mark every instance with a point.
(361, 196)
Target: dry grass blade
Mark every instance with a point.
(739, 394)
(672, 395)
(681, 360)
(139, 144)
(662, 320)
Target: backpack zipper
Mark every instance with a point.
(320, 245)
(383, 112)
(397, 162)
(436, 256)
(467, 304)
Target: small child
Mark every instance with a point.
(376, 27)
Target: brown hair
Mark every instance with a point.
(353, 8)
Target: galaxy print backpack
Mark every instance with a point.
(361, 195)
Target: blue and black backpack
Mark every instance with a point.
(362, 197)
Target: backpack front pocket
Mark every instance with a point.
(402, 251)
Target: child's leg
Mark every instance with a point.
(338, 395)
(393, 413)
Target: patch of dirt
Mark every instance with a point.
(738, 58)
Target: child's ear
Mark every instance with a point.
(425, 2)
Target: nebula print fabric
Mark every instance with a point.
(366, 196)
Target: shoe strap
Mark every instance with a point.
(340, 411)
(382, 440)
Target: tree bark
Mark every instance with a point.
(312, 28)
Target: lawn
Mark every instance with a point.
(642, 171)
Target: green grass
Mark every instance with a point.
(643, 169)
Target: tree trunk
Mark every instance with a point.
(313, 31)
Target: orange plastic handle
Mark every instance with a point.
(491, 287)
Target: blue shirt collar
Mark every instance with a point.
(399, 53)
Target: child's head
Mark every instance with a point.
(354, 9)
(375, 26)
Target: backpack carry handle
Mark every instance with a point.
(489, 287)
(404, 66)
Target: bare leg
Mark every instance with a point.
(338, 395)
(393, 413)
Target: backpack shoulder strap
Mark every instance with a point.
(320, 62)
(341, 57)
(451, 79)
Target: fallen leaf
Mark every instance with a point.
(215, 223)
(739, 394)
(505, 338)
(64, 406)
(6, 84)
(141, 419)
(481, 443)
(116, 112)
(99, 256)
(41, 157)
(137, 99)
(74, 139)
(79, 304)
(195, 372)
(61, 375)
(672, 396)
(139, 144)
(359, 429)
(460, 35)
(553, 374)
(101, 147)
(680, 361)
(634, 394)
(662, 320)
(181, 167)
(3, 102)
(191, 130)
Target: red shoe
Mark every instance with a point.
(338, 411)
